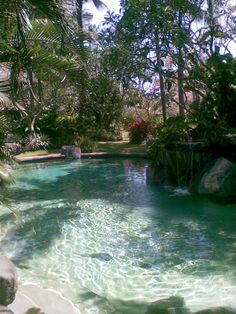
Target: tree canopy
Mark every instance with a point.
(155, 59)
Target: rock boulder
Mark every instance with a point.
(8, 281)
(71, 151)
(217, 179)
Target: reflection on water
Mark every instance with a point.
(95, 231)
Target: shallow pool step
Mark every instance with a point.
(49, 301)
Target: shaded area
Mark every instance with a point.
(110, 180)
(38, 228)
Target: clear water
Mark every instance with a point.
(95, 231)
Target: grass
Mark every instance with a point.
(40, 152)
(120, 147)
(108, 147)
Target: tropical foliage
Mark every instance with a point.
(156, 59)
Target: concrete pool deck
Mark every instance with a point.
(55, 157)
(31, 297)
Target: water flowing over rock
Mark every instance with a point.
(217, 179)
(8, 281)
(71, 151)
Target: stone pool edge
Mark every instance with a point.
(54, 157)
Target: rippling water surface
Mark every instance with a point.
(95, 231)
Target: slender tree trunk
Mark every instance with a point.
(161, 77)
(32, 131)
(211, 25)
(181, 82)
(82, 75)
(156, 25)
(180, 71)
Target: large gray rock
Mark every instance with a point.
(8, 281)
(71, 151)
(217, 310)
(13, 148)
(217, 179)
(173, 304)
(5, 173)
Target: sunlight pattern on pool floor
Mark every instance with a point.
(130, 246)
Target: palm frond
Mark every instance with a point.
(52, 10)
(46, 59)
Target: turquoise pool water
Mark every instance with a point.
(95, 231)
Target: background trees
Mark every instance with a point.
(167, 44)
(157, 59)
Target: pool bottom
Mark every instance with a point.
(100, 260)
(96, 232)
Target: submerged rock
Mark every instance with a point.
(8, 281)
(101, 256)
(5, 310)
(217, 179)
(173, 304)
(217, 310)
(71, 151)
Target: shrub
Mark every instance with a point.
(176, 129)
(86, 144)
(138, 131)
(60, 128)
(36, 142)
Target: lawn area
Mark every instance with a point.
(121, 147)
(108, 147)
(40, 152)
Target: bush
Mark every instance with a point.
(176, 129)
(216, 115)
(138, 131)
(40, 141)
(60, 128)
(86, 144)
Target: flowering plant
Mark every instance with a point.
(138, 131)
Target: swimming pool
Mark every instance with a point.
(96, 232)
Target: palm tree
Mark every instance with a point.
(216, 9)
(27, 51)
(82, 51)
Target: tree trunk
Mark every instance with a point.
(211, 25)
(161, 77)
(180, 71)
(32, 131)
(82, 54)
